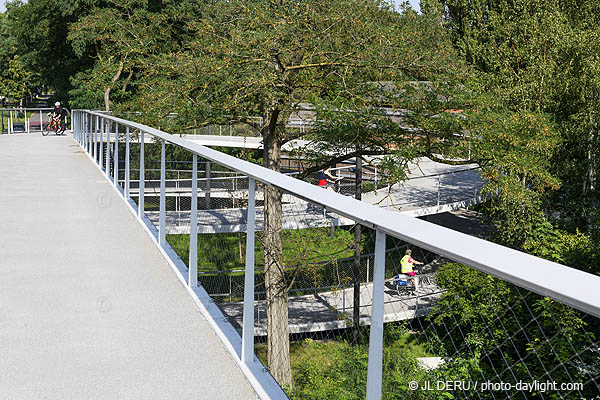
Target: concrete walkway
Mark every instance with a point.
(89, 309)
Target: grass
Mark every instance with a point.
(227, 251)
(334, 369)
(310, 255)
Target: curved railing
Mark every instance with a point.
(25, 120)
(520, 305)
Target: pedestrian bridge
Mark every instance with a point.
(90, 307)
(100, 300)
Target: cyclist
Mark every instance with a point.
(61, 114)
(326, 178)
(406, 267)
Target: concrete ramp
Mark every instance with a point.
(89, 309)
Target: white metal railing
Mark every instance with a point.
(25, 120)
(93, 130)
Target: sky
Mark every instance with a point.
(413, 3)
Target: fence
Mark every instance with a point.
(25, 120)
(309, 279)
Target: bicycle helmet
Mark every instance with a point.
(57, 103)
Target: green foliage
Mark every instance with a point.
(335, 369)
(310, 248)
(122, 36)
(514, 154)
(541, 55)
(40, 28)
(327, 370)
(504, 325)
(311, 257)
(577, 250)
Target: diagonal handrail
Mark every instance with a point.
(559, 282)
(564, 284)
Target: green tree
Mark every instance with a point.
(40, 28)
(541, 56)
(268, 59)
(121, 35)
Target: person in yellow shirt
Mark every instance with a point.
(406, 267)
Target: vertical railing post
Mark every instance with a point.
(107, 127)
(375, 368)
(193, 260)
(81, 118)
(207, 180)
(82, 122)
(248, 318)
(116, 157)
(438, 192)
(91, 134)
(26, 122)
(88, 121)
(101, 127)
(41, 122)
(162, 206)
(95, 140)
(127, 183)
(75, 134)
(88, 133)
(141, 182)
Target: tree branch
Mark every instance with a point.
(332, 162)
(435, 158)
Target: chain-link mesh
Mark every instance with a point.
(429, 186)
(450, 331)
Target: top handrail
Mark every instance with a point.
(23, 109)
(562, 283)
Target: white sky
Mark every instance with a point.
(413, 3)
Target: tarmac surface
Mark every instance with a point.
(89, 308)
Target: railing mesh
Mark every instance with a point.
(450, 331)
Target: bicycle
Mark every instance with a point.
(406, 285)
(53, 125)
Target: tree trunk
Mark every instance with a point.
(590, 176)
(278, 345)
(107, 99)
(240, 250)
(108, 88)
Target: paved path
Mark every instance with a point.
(333, 310)
(88, 307)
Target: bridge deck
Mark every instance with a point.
(333, 310)
(89, 307)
